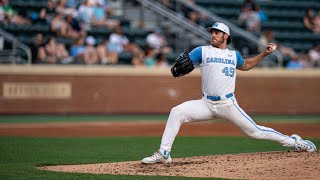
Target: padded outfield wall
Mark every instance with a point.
(127, 90)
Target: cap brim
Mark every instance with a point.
(210, 29)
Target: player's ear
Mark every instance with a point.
(226, 36)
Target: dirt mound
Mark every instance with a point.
(268, 165)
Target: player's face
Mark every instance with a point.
(217, 38)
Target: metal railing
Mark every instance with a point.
(215, 18)
(17, 48)
(199, 30)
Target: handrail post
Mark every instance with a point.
(15, 45)
(14, 50)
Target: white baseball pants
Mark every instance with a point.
(205, 109)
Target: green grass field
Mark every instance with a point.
(20, 155)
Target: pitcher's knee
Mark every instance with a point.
(256, 134)
(178, 109)
(178, 113)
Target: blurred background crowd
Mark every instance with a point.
(92, 32)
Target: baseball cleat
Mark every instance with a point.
(303, 145)
(157, 157)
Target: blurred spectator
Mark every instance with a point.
(61, 6)
(249, 4)
(77, 49)
(45, 15)
(113, 55)
(314, 55)
(50, 10)
(100, 17)
(301, 61)
(194, 16)
(85, 13)
(262, 15)
(161, 60)
(63, 54)
(106, 56)
(105, 5)
(72, 3)
(95, 12)
(188, 12)
(249, 19)
(157, 41)
(308, 19)
(137, 56)
(135, 52)
(90, 55)
(73, 22)
(317, 23)
(11, 16)
(286, 52)
(295, 64)
(47, 54)
(117, 40)
(36, 44)
(53, 52)
(149, 59)
(305, 60)
(2, 14)
(102, 50)
(41, 18)
(61, 28)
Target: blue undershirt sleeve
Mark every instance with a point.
(240, 60)
(196, 55)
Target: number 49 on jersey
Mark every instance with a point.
(228, 71)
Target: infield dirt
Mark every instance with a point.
(269, 165)
(94, 129)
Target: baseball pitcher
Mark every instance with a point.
(218, 66)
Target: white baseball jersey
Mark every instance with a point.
(218, 69)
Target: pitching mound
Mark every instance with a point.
(269, 165)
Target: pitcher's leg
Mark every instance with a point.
(238, 117)
(195, 110)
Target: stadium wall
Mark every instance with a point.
(128, 90)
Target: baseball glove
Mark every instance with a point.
(182, 65)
